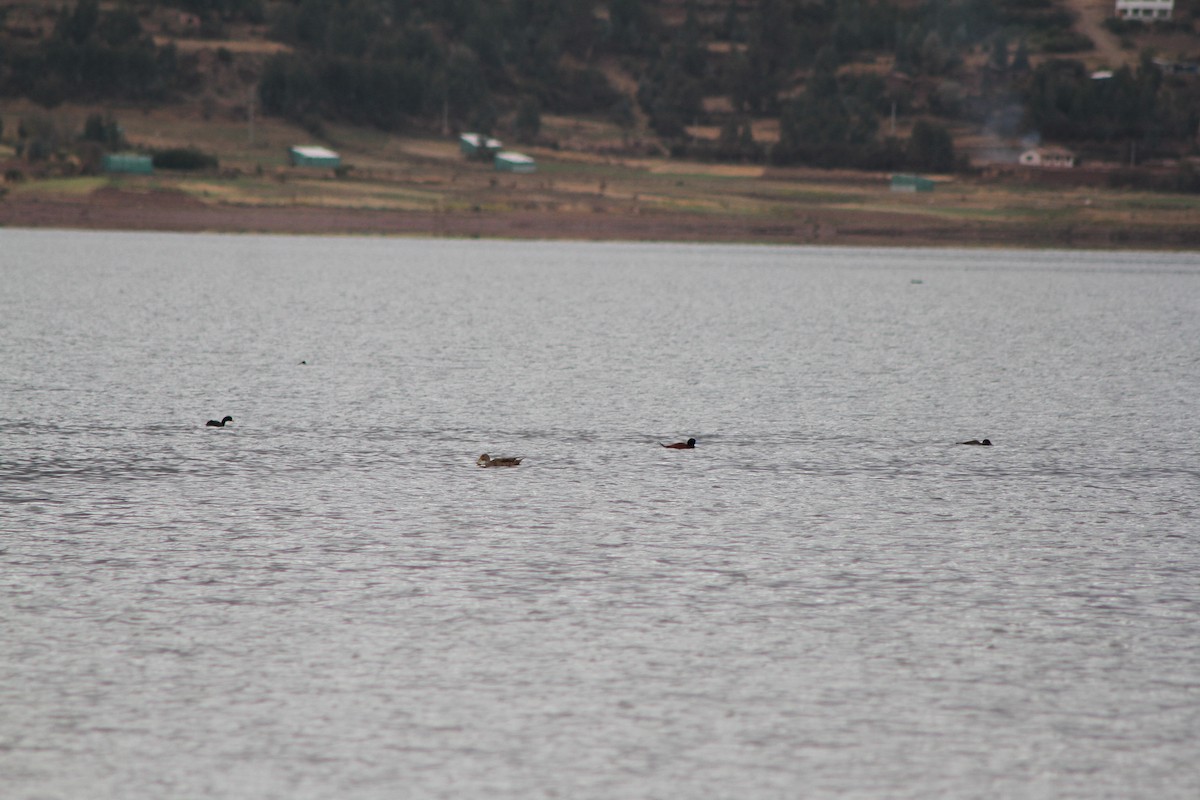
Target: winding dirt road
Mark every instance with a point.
(1090, 16)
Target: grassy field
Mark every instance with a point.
(427, 175)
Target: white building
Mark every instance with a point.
(1145, 9)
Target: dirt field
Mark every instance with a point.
(173, 210)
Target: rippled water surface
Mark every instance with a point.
(827, 597)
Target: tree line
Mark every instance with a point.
(91, 55)
(1067, 102)
(468, 64)
(462, 62)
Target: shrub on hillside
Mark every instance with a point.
(1121, 26)
(103, 130)
(931, 148)
(1185, 180)
(183, 158)
(1066, 42)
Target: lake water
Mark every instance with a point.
(827, 597)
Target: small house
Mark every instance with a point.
(509, 161)
(313, 156)
(1053, 157)
(476, 145)
(1145, 9)
(130, 163)
(911, 183)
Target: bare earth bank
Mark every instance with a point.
(168, 210)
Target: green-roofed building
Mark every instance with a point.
(911, 183)
(130, 163)
(313, 156)
(508, 161)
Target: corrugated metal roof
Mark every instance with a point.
(314, 151)
(479, 140)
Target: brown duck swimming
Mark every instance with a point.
(985, 442)
(487, 461)
(690, 444)
(212, 423)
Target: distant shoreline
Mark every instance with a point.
(166, 210)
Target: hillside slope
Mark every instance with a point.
(874, 84)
